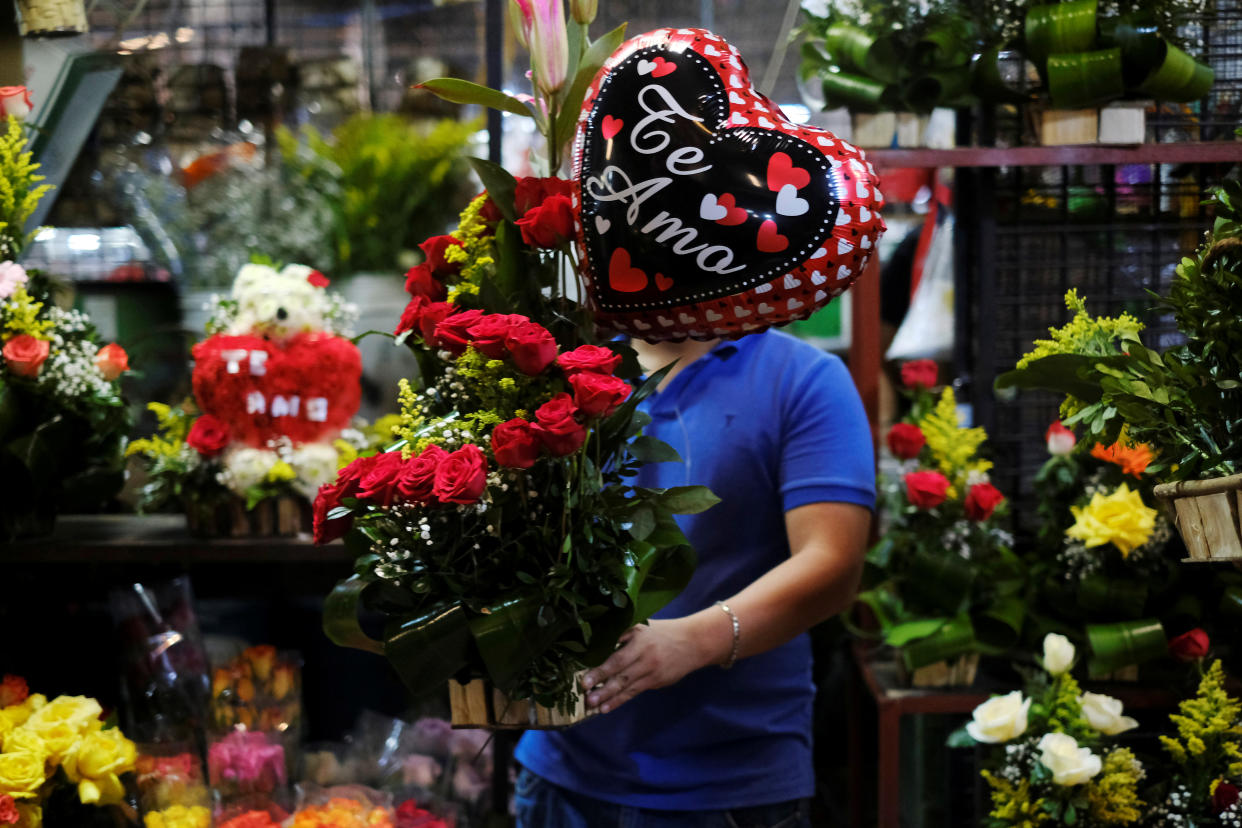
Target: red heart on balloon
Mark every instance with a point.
(761, 220)
(307, 389)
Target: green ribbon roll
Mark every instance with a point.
(509, 637)
(1101, 595)
(987, 80)
(854, 91)
(1000, 626)
(1178, 78)
(428, 649)
(956, 637)
(1119, 645)
(858, 51)
(944, 46)
(1084, 79)
(1061, 27)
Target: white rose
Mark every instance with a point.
(999, 719)
(245, 467)
(1104, 714)
(1070, 764)
(1058, 654)
(315, 464)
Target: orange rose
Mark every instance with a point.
(112, 361)
(24, 354)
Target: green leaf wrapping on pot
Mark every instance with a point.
(1178, 78)
(429, 649)
(942, 581)
(1061, 27)
(936, 88)
(1101, 594)
(999, 626)
(944, 46)
(509, 637)
(1114, 646)
(340, 616)
(954, 638)
(858, 51)
(854, 91)
(1084, 79)
(988, 82)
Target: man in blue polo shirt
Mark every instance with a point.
(706, 712)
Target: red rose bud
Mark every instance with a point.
(318, 279)
(430, 317)
(208, 436)
(488, 335)
(418, 477)
(551, 224)
(379, 483)
(926, 489)
(24, 355)
(1224, 797)
(411, 316)
(1190, 646)
(1060, 439)
(906, 441)
(531, 192)
(13, 690)
(324, 530)
(489, 212)
(919, 373)
(594, 358)
(515, 444)
(598, 395)
(112, 361)
(434, 249)
(420, 281)
(533, 348)
(557, 426)
(453, 333)
(462, 476)
(982, 500)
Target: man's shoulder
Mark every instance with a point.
(778, 348)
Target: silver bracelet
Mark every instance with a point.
(737, 634)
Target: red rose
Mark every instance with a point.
(982, 500)
(1225, 795)
(318, 279)
(919, 373)
(462, 476)
(112, 361)
(453, 333)
(594, 358)
(208, 436)
(515, 445)
(8, 810)
(420, 281)
(13, 690)
(330, 496)
(379, 483)
(532, 346)
(1190, 646)
(557, 426)
(418, 477)
(25, 355)
(412, 315)
(598, 395)
(431, 316)
(489, 212)
(487, 336)
(551, 224)
(906, 441)
(532, 192)
(926, 489)
(434, 249)
(1060, 440)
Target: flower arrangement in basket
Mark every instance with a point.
(62, 419)
(57, 756)
(500, 536)
(276, 386)
(1053, 759)
(944, 583)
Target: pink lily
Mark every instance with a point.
(543, 23)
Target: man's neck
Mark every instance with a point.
(654, 356)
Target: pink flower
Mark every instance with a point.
(543, 23)
(247, 760)
(1060, 439)
(12, 276)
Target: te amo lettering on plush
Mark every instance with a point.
(306, 389)
(702, 211)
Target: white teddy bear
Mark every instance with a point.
(278, 304)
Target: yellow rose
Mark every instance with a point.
(21, 774)
(78, 712)
(1120, 518)
(17, 714)
(96, 765)
(25, 740)
(179, 816)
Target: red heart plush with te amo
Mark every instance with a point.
(306, 390)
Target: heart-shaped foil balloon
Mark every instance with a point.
(704, 212)
(307, 389)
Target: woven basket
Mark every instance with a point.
(478, 704)
(1208, 514)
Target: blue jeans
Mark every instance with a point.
(540, 804)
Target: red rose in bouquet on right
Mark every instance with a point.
(515, 444)
(598, 395)
(420, 280)
(594, 358)
(461, 476)
(434, 249)
(557, 425)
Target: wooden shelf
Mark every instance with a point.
(1207, 152)
(158, 539)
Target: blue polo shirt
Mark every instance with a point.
(770, 423)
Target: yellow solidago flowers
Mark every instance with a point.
(952, 446)
(1120, 518)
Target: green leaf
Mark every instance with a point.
(960, 738)
(594, 58)
(340, 616)
(510, 636)
(642, 523)
(465, 92)
(651, 450)
(688, 500)
(656, 577)
(428, 649)
(902, 634)
(500, 185)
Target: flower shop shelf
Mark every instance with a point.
(158, 539)
(1206, 152)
